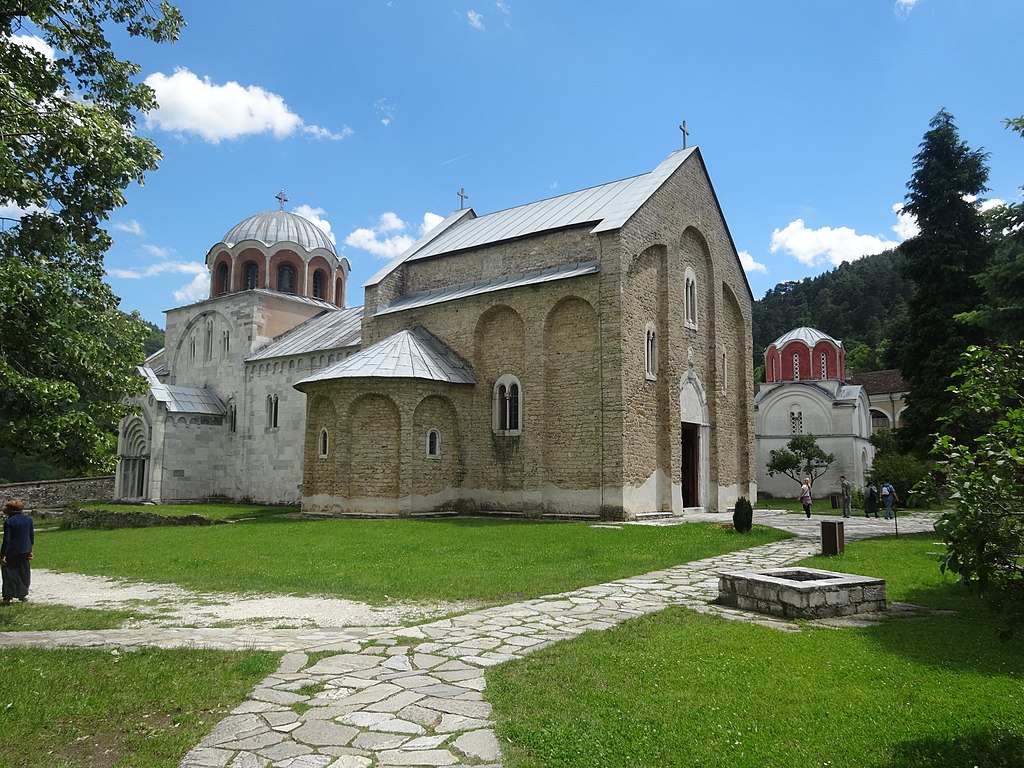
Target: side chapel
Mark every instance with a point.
(585, 355)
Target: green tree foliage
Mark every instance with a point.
(1001, 314)
(68, 149)
(802, 457)
(862, 303)
(154, 340)
(941, 262)
(903, 470)
(983, 477)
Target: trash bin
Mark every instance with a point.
(833, 537)
(834, 498)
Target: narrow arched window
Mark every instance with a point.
(319, 285)
(339, 292)
(651, 353)
(725, 373)
(796, 367)
(272, 411)
(324, 443)
(232, 418)
(507, 405)
(286, 278)
(222, 279)
(824, 366)
(192, 347)
(690, 299)
(796, 422)
(775, 373)
(251, 272)
(433, 443)
(208, 346)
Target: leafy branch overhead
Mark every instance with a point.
(802, 457)
(68, 149)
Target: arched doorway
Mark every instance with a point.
(133, 474)
(694, 437)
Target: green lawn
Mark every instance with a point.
(104, 709)
(33, 616)
(491, 560)
(682, 689)
(232, 512)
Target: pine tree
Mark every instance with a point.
(941, 262)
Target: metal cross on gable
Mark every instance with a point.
(463, 197)
(281, 198)
(682, 127)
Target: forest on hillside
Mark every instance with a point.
(862, 303)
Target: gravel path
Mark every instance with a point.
(167, 605)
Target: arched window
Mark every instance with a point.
(796, 422)
(232, 418)
(324, 443)
(796, 367)
(251, 273)
(225, 343)
(222, 279)
(824, 366)
(775, 373)
(339, 292)
(433, 444)
(286, 278)
(725, 374)
(272, 411)
(651, 353)
(507, 405)
(690, 299)
(208, 346)
(319, 285)
(192, 347)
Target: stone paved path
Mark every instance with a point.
(413, 696)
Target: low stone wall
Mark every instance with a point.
(47, 495)
(106, 520)
(802, 593)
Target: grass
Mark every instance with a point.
(683, 689)
(34, 617)
(487, 560)
(230, 512)
(104, 709)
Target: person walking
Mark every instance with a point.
(805, 496)
(846, 493)
(870, 500)
(16, 552)
(888, 498)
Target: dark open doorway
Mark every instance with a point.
(690, 464)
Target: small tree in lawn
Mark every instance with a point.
(802, 457)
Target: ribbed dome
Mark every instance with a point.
(809, 336)
(273, 227)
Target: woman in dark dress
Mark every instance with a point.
(16, 552)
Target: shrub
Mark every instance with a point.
(743, 515)
(904, 471)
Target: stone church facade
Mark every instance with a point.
(583, 355)
(586, 355)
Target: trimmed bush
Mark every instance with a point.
(743, 515)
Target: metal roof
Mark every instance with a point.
(273, 227)
(201, 400)
(415, 354)
(331, 330)
(502, 283)
(809, 336)
(607, 206)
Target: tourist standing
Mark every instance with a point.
(805, 496)
(846, 493)
(16, 552)
(888, 498)
(870, 500)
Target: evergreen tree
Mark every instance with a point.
(941, 262)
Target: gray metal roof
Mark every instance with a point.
(273, 227)
(502, 283)
(608, 206)
(333, 329)
(200, 400)
(415, 354)
(809, 336)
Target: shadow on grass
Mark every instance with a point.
(983, 747)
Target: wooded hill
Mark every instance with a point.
(861, 303)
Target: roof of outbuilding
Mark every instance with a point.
(415, 354)
(332, 329)
(607, 207)
(199, 400)
(878, 382)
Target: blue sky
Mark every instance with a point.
(372, 114)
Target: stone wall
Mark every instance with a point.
(56, 494)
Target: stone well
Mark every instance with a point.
(801, 593)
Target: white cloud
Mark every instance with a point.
(502, 6)
(154, 270)
(390, 237)
(749, 265)
(906, 224)
(476, 20)
(197, 290)
(36, 44)
(189, 104)
(131, 226)
(8, 210)
(826, 245)
(904, 7)
(156, 250)
(316, 216)
(385, 111)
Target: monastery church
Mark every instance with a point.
(584, 355)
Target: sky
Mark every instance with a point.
(372, 115)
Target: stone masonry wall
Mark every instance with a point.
(56, 494)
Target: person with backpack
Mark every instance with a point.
(888, 498)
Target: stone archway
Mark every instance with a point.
(133, 468)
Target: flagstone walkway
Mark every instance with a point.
(413, 696)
